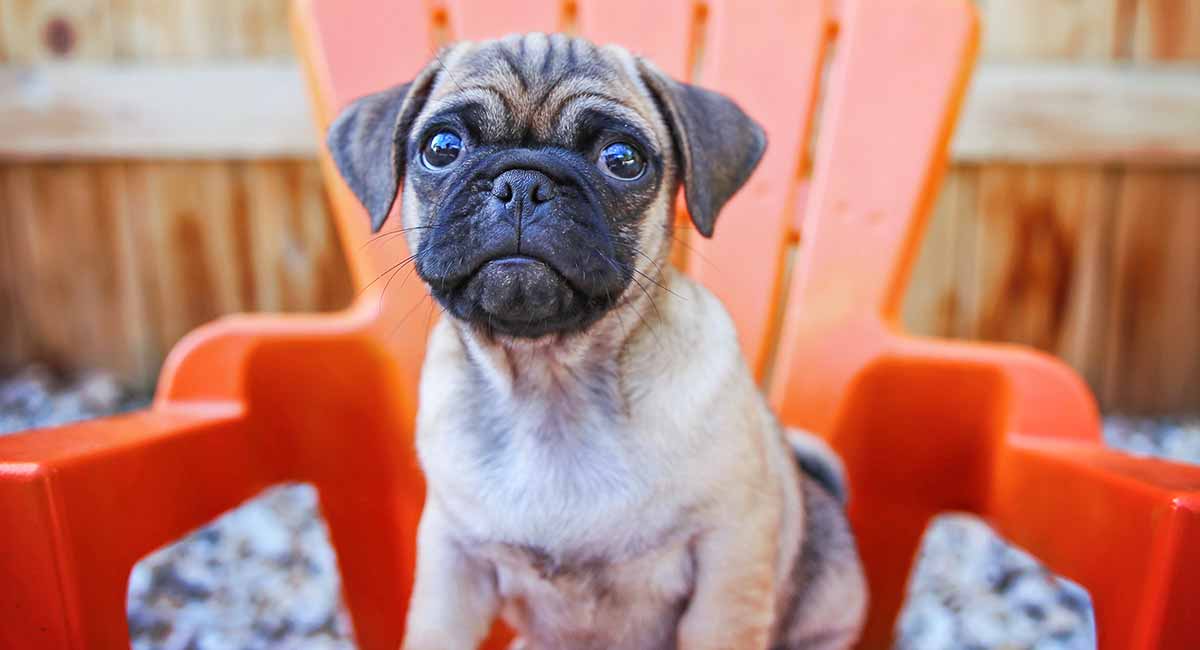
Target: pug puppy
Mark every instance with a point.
(602, 469)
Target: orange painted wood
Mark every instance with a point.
(481, 19)
(927, 426)
(768, 57)
(924, 425)
(244, 403)
(660, 31)
(349, 50)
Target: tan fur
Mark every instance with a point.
(668, 512)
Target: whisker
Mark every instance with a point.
(657, 266)
(648, 297)
(389, 234)
(408, 313)
(691, 248)
(379, 306)
(640, 316)
(429, 316)
(659, 284)
(616, 308)
(397, 265)
(653, 332)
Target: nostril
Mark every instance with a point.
(523, 187)
(543, 192)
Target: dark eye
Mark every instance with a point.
(621, 160)
(442, 149)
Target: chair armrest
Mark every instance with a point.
(1127, 528)
(243, 403)
(210, 363)
(80, 504)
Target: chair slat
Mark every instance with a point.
(768, 58)
(900, 70)
(358, 50)
(481, 19)
(659, 31)
(376, 44)
(352, 49)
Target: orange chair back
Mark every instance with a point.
(818, 244)
(859, 99)
(891, 95)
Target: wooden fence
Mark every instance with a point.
(157, 173)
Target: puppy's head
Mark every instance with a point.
(539, 174)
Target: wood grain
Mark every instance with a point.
(202, 111)
(1044, 231)
(1050, 29)
(1167, 30)
(297, 262)
(56, 30)
(1153, 343)
(13, 325)
(192, 30)
(117, 260)
(1153, 351)
(936, 303)
(1093, 113)
(77, 276)
(1054, 113)
(1068, 221)
(1039, 260)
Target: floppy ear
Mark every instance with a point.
(717, 144)
(367, 142)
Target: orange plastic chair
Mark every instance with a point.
(925, 426)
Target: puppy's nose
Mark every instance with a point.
(523, 189)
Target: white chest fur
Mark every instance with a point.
(547, 483)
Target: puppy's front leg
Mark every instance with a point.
(733, 603)
(454, 598)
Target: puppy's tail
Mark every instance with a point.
(819, 461)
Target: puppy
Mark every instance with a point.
(602, 469)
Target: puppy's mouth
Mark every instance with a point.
(519, 296)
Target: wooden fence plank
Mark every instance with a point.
(184, 224)
(262, 25)
(75, 280)
(1037, 29)
(1085, 113)
(1039, 260)
(297, 263)
(1043, 233)
(45, 30)
(1153, 346)
(78, 302)
(1167, 30)
(1095, 113)
(189, 30)
(215, 237)
(14, 333)
(1119, 326)
(935, 304)
(155, 111)
(181, 30)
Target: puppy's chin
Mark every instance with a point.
(520, 297)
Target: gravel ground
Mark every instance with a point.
(264, 575)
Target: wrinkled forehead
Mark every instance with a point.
(542, 88)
